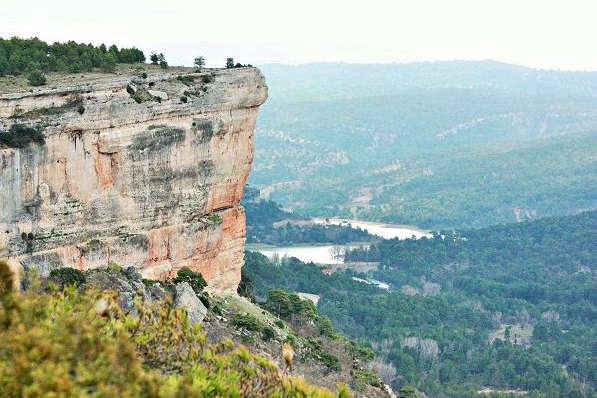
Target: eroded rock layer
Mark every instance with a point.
(143, 172)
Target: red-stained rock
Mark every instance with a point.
(155, 185)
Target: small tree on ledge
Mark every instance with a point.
(199, 62)
(229, 63)
(162, 61)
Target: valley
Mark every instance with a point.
(438, 144)
(507, 309)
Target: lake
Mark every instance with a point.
(320, 254)
(386, 231)
(325, 254)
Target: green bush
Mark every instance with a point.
(204, 298)
(194, 279)
(206, 79)
(330, 361)
(187, 80)
(364, 378)
(247, 322)
(20, 136)
(36, 78)
(183, 99)
(268, 333)
(81, 109)
(67, 277)
(407, 392)
(326, 327)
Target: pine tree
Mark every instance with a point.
(199, 62)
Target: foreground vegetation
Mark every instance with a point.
(81, 344)
(505, 308)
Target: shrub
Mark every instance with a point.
(247, 322)
(194, 279)
(326, 327)
(214, 219)
(204, 298)
(66, 277)
(229, 63)
(144, 75)
(206, 79)
(245, 287)
(36, 78)
(81, 109)
(162, 61)
(186, 80)
(268, 333)
(407, 392)
(330, 361)
(183, 99)
(365, 354)
(67, 344)
(365, 377)
(20, 136)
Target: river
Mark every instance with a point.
(325, 254)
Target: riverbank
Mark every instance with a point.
(386, 231)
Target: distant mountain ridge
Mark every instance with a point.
(328, 129)
(344, 80)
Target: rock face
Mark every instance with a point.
(126, 177)
(186, 298)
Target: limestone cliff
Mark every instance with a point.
(144, 172)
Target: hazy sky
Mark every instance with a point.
(547, 34)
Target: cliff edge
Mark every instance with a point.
(140, 170)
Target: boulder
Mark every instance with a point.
(158, 94)
(186, 298)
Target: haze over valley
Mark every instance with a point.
(437, 145)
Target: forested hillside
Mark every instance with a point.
(431, 144)
(18, 56)
(511, 307)
(268, 223)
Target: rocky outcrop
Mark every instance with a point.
(186, 298)
(130, 177)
